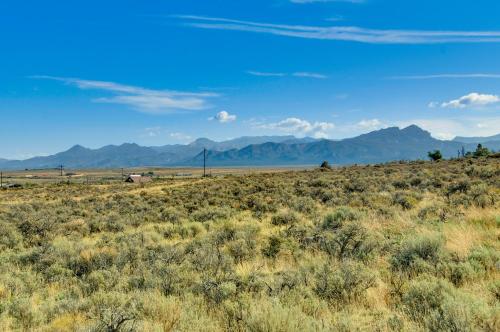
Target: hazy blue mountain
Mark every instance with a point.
(237, 143)
(378, 146)
(190, 150)
(130, 155)
(477, 139)
(125, 155)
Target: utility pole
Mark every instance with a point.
(204, 162)
(123, 174)
(61, 168)
(1, 180)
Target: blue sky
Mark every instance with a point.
(166, 71)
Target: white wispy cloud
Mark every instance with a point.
(336, 18)
(345, 33)
(296, 74)
(315, 1)
(265, 74)
(472, 100)
(224, 117)
(301, 127)
(309, 75)
(444, 76)
(139, 98)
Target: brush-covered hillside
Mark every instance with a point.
(394, 247)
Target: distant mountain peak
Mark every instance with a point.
(416, 130)
(202, 141)
(77, 147)
(131, 145)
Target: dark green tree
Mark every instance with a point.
(326, 165)
(481, 151)
(435, 155)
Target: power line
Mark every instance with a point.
(204, 162)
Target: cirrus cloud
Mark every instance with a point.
(265, 74)
(139, 98)
(303, 74)
(344, 33)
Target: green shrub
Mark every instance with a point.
(336, 219)
(459, 273)
(171, 215)
(9, 236)
(285, 218)
(114, 311)
(304, 205)
(436, 306)
(417, 255)
(484, 259)
(36, 231)
(260, 205)
(434, 212)
(216, 292)
(406, 201)
(272, 315)
(481, 195)
(209, 258)
(344, 285)
(349, 241)
(494, 288)
(241, 250)
(210, 214)
(273, 247)
(26, 315)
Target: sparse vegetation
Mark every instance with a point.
(394, 247)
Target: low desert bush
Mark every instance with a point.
(417, 255)
(273, 247)
(210, 214)
(346, 284)
(436, 306)
(336, 219)
(285, 218)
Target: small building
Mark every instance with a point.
(136, 178)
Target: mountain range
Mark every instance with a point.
(383, 145)
(477, 139)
